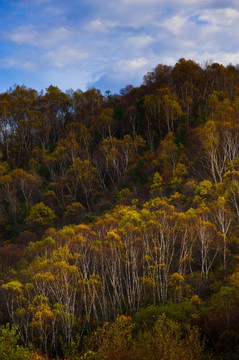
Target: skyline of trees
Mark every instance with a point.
(120, 206)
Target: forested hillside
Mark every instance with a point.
(119, 219)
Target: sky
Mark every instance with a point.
(109, 44)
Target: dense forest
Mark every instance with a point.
(119, 215)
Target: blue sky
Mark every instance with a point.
(110, 43)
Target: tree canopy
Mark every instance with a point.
(119, 218)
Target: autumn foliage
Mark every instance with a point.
(119, 218)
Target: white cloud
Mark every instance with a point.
(139, 2)
(220, 17)
(23, 35)
(72, 77)
(219, 57)
(8, 62)
(65, 55)
(174, 24)
(139, 42)
(131, 65)
(98, 25)
(39, 38)
(18, 62)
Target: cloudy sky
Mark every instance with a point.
(110, 43)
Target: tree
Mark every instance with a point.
(160, 231)
(151, 111)
(208, 241)
(119, 154)
(170, 342)
(215, 161)
(167, 339)
(171, 108)
(42, 321)
(74, 212)
(40, 216)
(156, 187)
(27, 184)
(9, 348)
(82, 176)
(117, 340)
(222, 217)
(169, 154)
(56, 105)
(105, 123)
